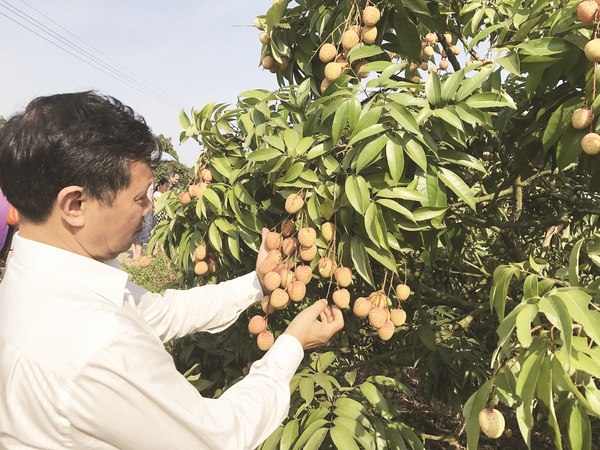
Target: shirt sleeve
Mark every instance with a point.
(210, 308)
(131, 396)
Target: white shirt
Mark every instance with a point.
(83, 366)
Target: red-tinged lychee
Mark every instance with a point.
(296, 290)
(273, 240)
(289, 246)
(326, 267)
(303, 274)
(398, 316)
(308, 253)
(402, 292)
(582, 118)
(293, 203)
(200, 268)
(307, 236)
(341, 298)
(287, 228)
(586, 11)
(491, 422)
(272, 281)
(343, 276)
(327, 53)
(377, 317)
(371, 15)
(361, 307)
(590, 143)
(257, 325)
(279, 298)
(265, 340)
(386, 331)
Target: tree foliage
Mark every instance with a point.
(470, 186)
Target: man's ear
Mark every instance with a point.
(71, 205)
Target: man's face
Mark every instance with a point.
(110, 230)
(175, 179)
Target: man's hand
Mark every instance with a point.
(316, 324)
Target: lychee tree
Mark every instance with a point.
(421, 165)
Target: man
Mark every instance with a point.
(82, 362)
(174, 180)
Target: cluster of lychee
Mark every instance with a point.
(376, 307)
(337, 63)
(196, 190)
(588, 13)
(269, 62)
(204, 262)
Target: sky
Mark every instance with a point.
(191, 51)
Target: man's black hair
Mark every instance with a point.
(81, 139)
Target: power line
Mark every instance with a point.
(122, 78)
(103, 54)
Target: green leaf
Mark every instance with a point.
(545, 46)
(574, 263)
(417, 6)
(263, 154)
(395, 158)
(462, 159)
(511, 62)
(376, 398)
(342, 439)
(433, 89)
(485, 100)
(558, 314)
(339, 121)
(360, 259)
(370, 152)
(404, 117)
(415, 151)
(471, 84)
(315, 441)
(449, 117)
(309, 431)
(545, 392)
(372, 226)
(389, 382)
(451, 84)
(357, 191)
(402, 193)
(523, 324)
(580, 430)
(476, 402)
(354, 430)
(577, 303)
(362, 51)
(397, 207)
(367, 132)
(214, 237)
(289, 435)
(502, 276)
(272, 440)
(307, 389)
(458, 186)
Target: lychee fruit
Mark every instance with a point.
(200, 252)
(590, 143)
(455, 50)
(368, 35)
(264, 38)
(332, 71)
(326, 267)
(289, 246)
(307, 236)
(360, 73)
(197, 190)
(431, 38)
(341, 298)
(308, 253)
(349, 39)
(273, 240)
(267, 265)
(448, 38)
(201, 268)
(266, 306)
(212, 265)
(279, 298)
(293, 203)
(327, 53)
(386, 331)
(287, 228)
(582, 118)
(274, 255)
(296, 290)
(257, 325)
(491, 422)
(268, 62)
(272, 281)
(428, 51)
(377, 317)
(379, 299)
(586, 11)
(144, 261)
(343, 276)
(361, 307)
(265, 340)
(287, 276)
(324, 85)
(184, 198)
(443, 64)
(592, 50)
(371, 15)
(402, 292)
(303, 274)
(398, 316)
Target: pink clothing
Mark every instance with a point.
(4, 207)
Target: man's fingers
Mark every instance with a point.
(316, 309)
(338, 318)
(329, 314)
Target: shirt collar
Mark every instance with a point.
(105, 279)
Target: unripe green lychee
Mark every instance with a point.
(265, 340)
(293, 203)
(303, 274)
(273, 240)
(386, 331)
(586, 11)
(368, 35)
(327, 53)
(491, 422)
(257, 325)
(307, 236)
(341, 298)
(371, 15)
(582, 118)
(590, 143)
(361, 307)
(349, 39)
